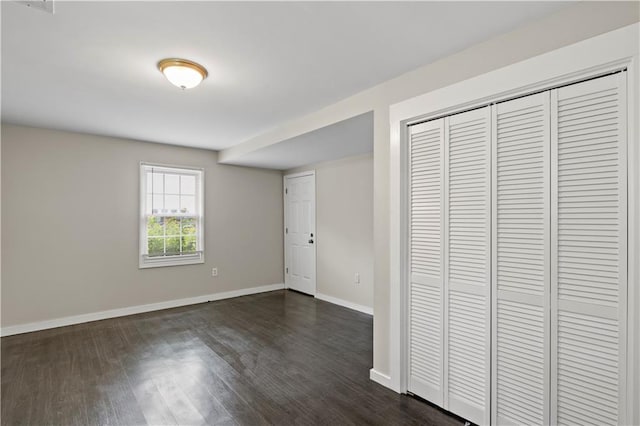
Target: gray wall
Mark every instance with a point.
(344, 225)
(70, 226)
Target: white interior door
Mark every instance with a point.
(300, 232)
(426, 261)
(521, 264)
(467, 304)
(449, 263)
(589, 252)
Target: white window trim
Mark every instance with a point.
(589, 58)
(148, 262)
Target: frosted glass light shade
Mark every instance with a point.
(182, 73)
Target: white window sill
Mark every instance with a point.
(159, 262)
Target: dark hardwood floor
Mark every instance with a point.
(274, 358)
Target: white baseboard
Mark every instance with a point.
(113, 313)
(382, 379)
(336, 301)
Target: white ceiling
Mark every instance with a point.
(343, 139)
(91, 67)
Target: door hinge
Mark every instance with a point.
(286, 190)
(286, 230)
(287, 270)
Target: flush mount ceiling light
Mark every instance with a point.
(182, 73)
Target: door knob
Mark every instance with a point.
(310, 241)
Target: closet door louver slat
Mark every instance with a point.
(589, 248)
(521, 264)
(468, 264)
(426, 164)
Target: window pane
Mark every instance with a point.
(188, 226)
(173, 226)
(157, 203)
(148, 205)
(172, 203)
(171, 184)
(157, 183)
(155, 227)
(148, 182)
(188, 204)
(189, 244)
(188, 185)
(155, 246)
(173, 245)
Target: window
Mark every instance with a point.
(171, 216)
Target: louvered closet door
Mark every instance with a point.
(468, 264)
(589, 246)
(521, 266)
(426, 267)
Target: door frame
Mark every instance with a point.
(589, 58)
(285, 179)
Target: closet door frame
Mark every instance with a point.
(607, 53)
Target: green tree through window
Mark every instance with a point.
(170, 236)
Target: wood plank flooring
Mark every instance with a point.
(277, 358)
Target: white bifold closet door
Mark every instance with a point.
(467, 304)
(450, 263)
(518, 258)
(589, 252)
(521, 267)
(426, 261)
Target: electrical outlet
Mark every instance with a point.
(356, 278)
(214, 272)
